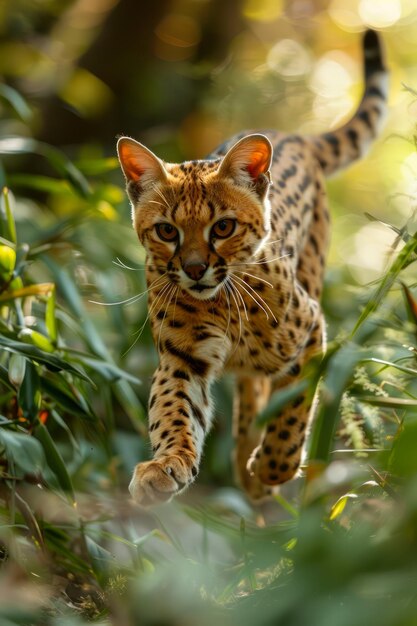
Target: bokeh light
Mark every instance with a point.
(289, 58)
(176, 37)
(263, 10)
(379, 14)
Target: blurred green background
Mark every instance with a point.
(339, 547)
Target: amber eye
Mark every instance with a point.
(166, 232)
(223, 228)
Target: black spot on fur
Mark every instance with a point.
(181, 374)
(196, 365)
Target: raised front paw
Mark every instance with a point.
(158, 481)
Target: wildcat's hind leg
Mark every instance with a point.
(277, 459)
(252, 395)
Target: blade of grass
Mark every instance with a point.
(339, 369)
(16, 101)
(403, 259)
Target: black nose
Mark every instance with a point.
(195, 270)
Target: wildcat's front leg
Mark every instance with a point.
(180, 415)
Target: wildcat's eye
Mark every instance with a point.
(223, 228)
(166, 232)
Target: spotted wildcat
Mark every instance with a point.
(236, 246)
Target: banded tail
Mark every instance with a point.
(338, 148)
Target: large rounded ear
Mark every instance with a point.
(248, 161)
(138, 163)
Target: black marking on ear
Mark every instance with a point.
(134, 191)
(262, 184)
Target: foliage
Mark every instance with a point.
(337, 546)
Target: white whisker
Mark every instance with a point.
(155, 303)
(139, 332)
(166, 303)
(261, 261)
(256, 277)
(244, 287)
(226, 293)
(232, 289)
(243, 303)
(132, 299)
(119, 263)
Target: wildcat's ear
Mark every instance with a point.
(248, 160)
(138, 163)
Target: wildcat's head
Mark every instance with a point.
(199, 219)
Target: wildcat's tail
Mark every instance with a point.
(338, 148)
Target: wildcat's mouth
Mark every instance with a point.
(202, 291)
(201, 287)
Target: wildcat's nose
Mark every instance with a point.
(195, 270)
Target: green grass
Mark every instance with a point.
(337, 546)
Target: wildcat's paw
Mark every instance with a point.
(158, 481)
(256, 491)
(270, 469)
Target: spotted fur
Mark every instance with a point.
(236, 248)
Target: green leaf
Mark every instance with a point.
(57, 539)
(109, 371)
(62, 423)
(40, 183)
(133, 407)
(74, 405)
(50, 318)
(93, 167)
(4, 378)
(16, 290)
(18, 103)
(28, 335)
(58, 160)
(7, 224)
(101, 559)
(25, 451)
(403, 458)
(29, 392)
(49, 360)
(7, 264)
(55, 460)
(389, 402)
(74, 302)
(410, 303)
(17, 368)
(401, 368)
(339, 506)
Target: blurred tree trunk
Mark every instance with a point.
(147, 91)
